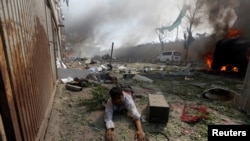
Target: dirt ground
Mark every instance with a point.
(70, 121)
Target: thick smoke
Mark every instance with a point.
(128, 23)
(243, 19)
(124, 22)
(221, 15)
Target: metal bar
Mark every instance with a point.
(111, 53)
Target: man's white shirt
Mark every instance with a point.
(127, 103)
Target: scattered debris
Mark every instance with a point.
(219, 94)
(105, 77)
(147, 68)
(81, 82)
(93, 76)
(66, 80)
(90, 61)
(86, 107)
(138, 77)
(122, 69)
(73, 87)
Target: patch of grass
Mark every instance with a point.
(212, 119)
(228, 109)
(100, 94)
(180, 89)
(176, 129)
(200, 131)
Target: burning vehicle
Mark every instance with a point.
(231, 54)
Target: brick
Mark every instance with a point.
(158, 109)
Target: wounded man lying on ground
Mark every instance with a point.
(122, 100)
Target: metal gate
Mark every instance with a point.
(27, 64)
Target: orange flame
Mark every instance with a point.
(235, 69)
(223, 68)
(233, 33)
(209, 60)
(229, 68)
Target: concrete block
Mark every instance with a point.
(158, 109)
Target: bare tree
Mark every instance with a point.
(163, 35)
(163, 38)
(161, 41)
(194, 16)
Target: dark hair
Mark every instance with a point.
(115, 92)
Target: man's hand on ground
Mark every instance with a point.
(110, 135)
(140, 136)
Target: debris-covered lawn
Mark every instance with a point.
(193, 99)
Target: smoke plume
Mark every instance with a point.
(243, 19)
(129, 22)
(124, 22)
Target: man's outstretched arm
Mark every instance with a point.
(140, 135)
(109, 115)
(108, 121)
(130, 105)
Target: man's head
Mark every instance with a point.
(116, 95)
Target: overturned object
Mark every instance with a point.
(218, 94)
(231, 52)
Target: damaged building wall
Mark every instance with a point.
(242, 24)
(28, 37)
(243, 101)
